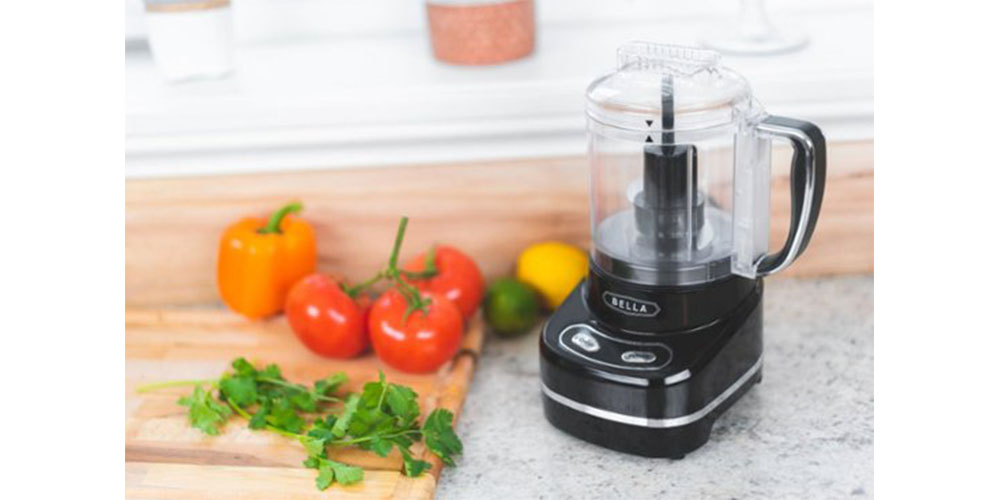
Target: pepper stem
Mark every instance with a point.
(274, 223)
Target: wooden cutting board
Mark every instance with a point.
(166, 458)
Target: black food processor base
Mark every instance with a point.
(672, 442)
(650, 394)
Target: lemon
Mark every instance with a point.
(552, 268)
(510, 307)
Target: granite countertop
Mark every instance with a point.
(807, 431)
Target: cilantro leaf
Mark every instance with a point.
(379, 446)
(314, 446)
(259, 419)
(381, 417)
(412, 467)
(271, 371)
(325, 477)
(346, 474)
(402, 402)
(372, 394)
(243, 367)
(284, 416)
(321, 430)
(305, 401)
(240, 389)
(330, 470)
(204, 412)
(404, 440)
(350, 408)
(330, 384)
(440, 437)
(364, 422)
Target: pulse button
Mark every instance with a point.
(585, 341)
(638, 357)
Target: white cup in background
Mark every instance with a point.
(190, 39)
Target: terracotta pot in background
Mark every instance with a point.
(481, 32)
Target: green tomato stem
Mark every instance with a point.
(417, 275)
(274, 223)
(400, 232)
(392, 272)
(356, 289)
(430, 262)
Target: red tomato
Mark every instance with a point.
(458, 278)
(424, 342)
(327, 320)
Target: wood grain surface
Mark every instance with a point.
(491, 210)
(166, 458)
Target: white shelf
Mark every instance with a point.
(372, 101)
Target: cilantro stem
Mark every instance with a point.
(381, 396)
(278, 381)
(377, 436)
(285, 383)
(174, 383)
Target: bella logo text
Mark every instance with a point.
(631, 306)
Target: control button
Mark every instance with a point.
(638, 357)
(585, 341)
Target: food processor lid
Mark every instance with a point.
(704, 93)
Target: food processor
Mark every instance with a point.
(665, 333)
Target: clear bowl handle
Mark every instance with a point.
(808, 180)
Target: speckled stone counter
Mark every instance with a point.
(805, 432)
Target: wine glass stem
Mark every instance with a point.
(753, 22)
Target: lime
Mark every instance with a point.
(553, 268)
(510, 307)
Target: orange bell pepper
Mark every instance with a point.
(260, 260)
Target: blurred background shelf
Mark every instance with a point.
(319, 88)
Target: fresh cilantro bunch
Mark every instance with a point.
(384, 416)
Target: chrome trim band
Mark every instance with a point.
(655, 423)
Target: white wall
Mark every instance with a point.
(323, 83)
